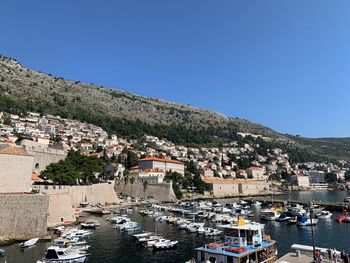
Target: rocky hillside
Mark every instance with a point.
(124, 113)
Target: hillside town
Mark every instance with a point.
(237, 162)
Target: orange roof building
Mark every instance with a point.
(162, 164)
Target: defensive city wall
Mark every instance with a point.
(23, 216)
(161, 192)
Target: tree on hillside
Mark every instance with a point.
(75, 167)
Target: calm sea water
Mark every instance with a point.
(108, 245)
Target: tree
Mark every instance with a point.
(74, 168)
(331, 177)
(145, 187)
(132, 181)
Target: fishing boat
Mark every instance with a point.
(55, 254)
(29, 243)
(242, 243)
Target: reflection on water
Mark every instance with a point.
(108, 245)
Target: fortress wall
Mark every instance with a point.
(23, 216)
(161, 192)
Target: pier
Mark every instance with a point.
(338, 206)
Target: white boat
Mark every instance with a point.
(90, 224)
(270, 215)
(56, 254)
(152, 242)
(324, 214)
(142, 235)
(212, 232)
(257, 203)
(165, 245)
(29, 243)
(149, 238)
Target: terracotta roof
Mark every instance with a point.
(35, 176)
(216, 180)
(159, 160)
(14, 150)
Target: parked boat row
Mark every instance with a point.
(146, 239)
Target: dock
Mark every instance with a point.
(294, 258)
(339, 206)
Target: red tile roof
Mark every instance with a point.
(159, 160)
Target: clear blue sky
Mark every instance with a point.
(284, 64)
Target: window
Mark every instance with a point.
(212, 260)
(37, 166)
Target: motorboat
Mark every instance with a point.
(142, 235)
(347, 199)
(269, 215)
(152, 242)
(324, 214)
(342, 217)
(90, 224)
(2, 251)
(165, 245)
(212, 232)
(306, 221)
(149, 238)
(29, 243)
(283, 217)
(55, 254)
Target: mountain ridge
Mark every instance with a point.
(124, 112)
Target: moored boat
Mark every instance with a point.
(29, 243)
(55, 254)
(243, 243)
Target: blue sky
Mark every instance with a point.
(284, 64)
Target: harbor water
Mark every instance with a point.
(109, 245)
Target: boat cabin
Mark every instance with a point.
(243, 243)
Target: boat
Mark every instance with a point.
(55, 254)
(149, 238)
(243, 242)
(341, 218)
(152, 242)
(2, 251)
(283, 217)
(133, 228)
(29, 243)
(90, 224)
(324, 214)
(347, 199)
(142, 235)
(269, 215)
(165, 245)
(212, 232)
(306, 221)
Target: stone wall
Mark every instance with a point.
(161, 192)
(15, 173)
(63, 199)
(93, 194)
(23, 216)
(43, 155)
(60, 209)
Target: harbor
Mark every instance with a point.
(107, 244)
